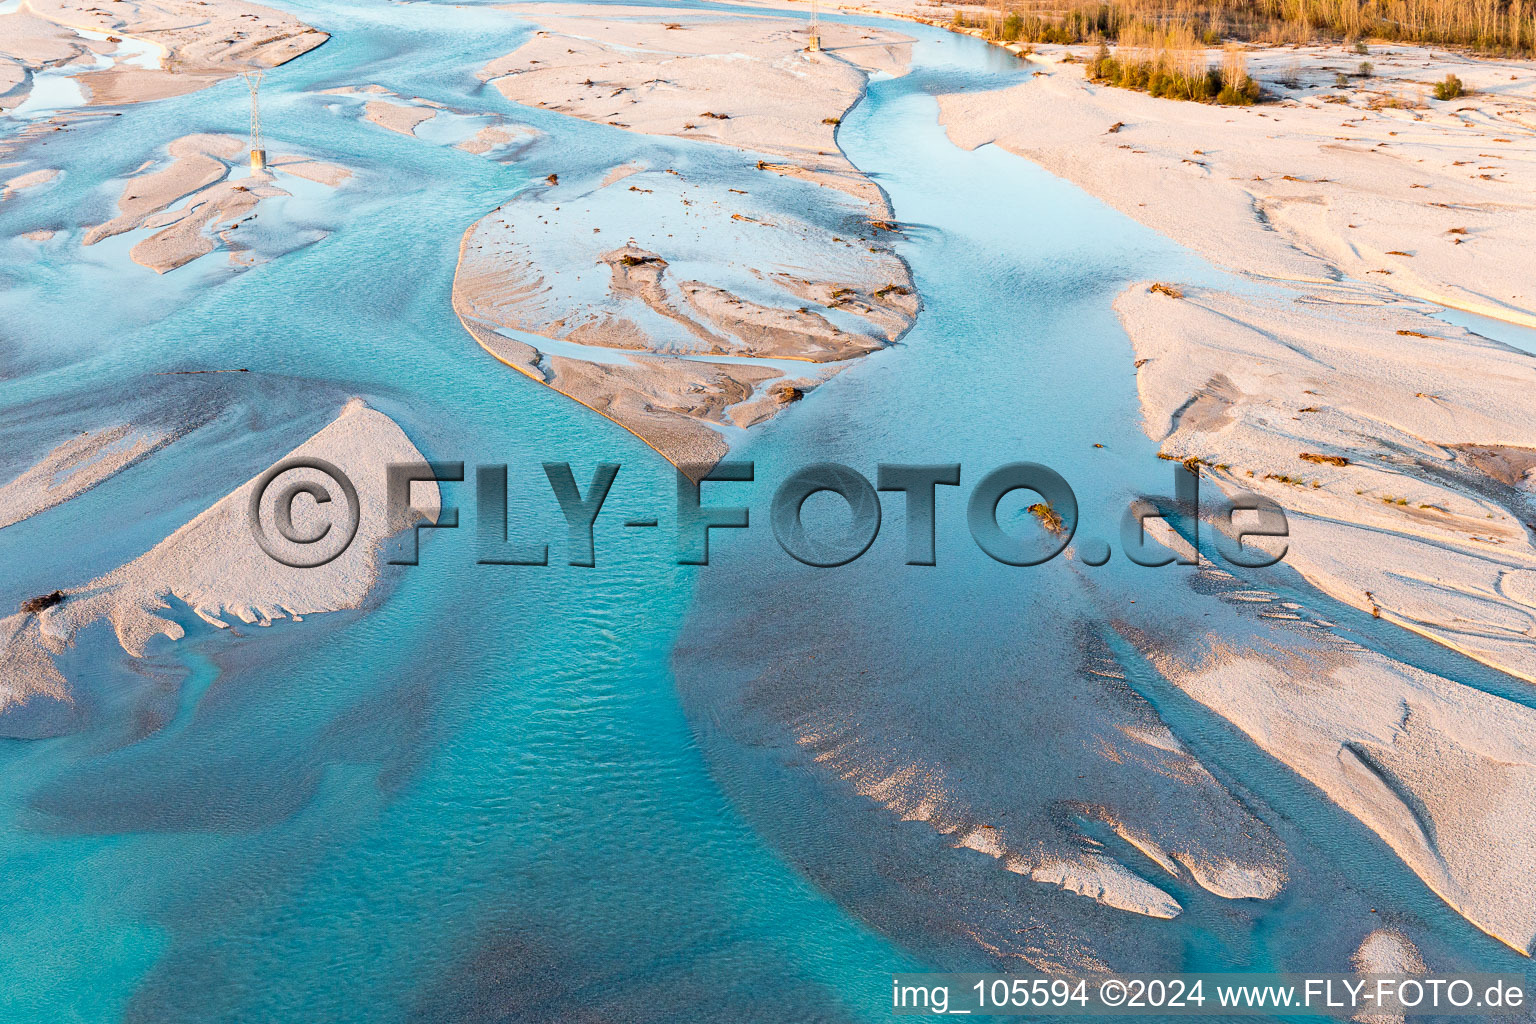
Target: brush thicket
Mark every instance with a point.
(1505, 27)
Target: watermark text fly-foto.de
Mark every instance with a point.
(708, 500)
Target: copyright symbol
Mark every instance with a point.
(1112, 992)
(308, 534)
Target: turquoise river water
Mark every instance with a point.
(482, 798)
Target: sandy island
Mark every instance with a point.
(213, 566)
(479, 132)
(193, 205)
(675, 269)
(190, 44)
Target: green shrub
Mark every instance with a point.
(1449, 89)
(1177, 73)
(1243, 94)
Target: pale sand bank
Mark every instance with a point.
(31, 179)
(496, 138)
(193, 206)
(1386, 951)
(1443, 773)
(1436, 200)
(742, 81)
(397, 117)
(1430, 522)
(1401, 447)
(1059, 836)
(196, 43)
(653, 261)
(481, 133)
(214, 566)
(1214, 843)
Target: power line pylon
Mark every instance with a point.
(258, 153)
(815, 43)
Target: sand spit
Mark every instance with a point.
(31, 179)
(481, 133)
(1386, 951)
(191, 43)
(213, 566)
(1058, 854)
(209, 206)
(670, 404)
(680, 267)
(742, 81)
(1401, 448)
(73, 467)
(1373, 180)
(1444, 773)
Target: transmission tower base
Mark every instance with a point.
(258, 160)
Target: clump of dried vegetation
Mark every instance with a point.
(34, 605)
(1049, 518)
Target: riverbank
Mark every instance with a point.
(1353, 191)
(1419, 509)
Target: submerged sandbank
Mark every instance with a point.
(479, 132)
